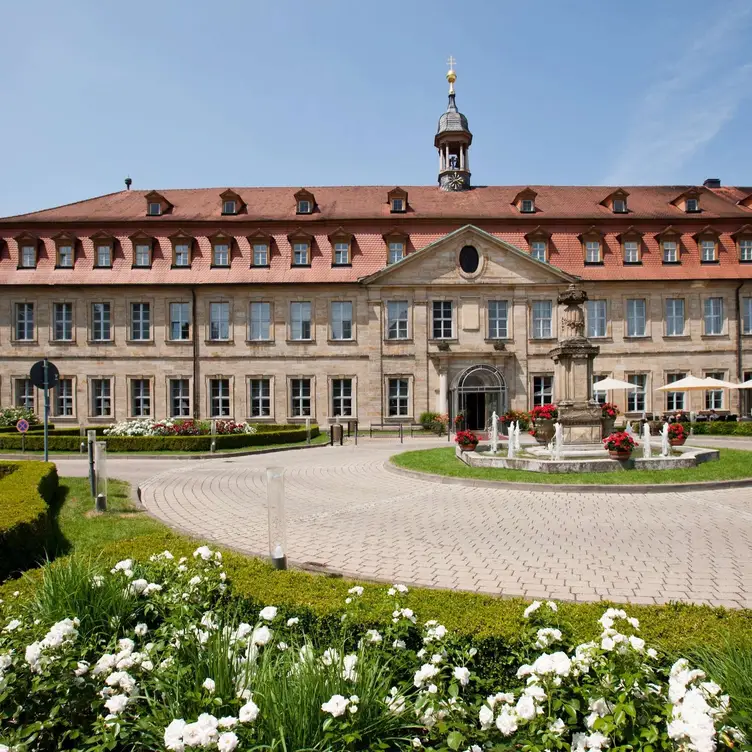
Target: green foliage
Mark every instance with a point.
(26, 491)
(722, 428)
(9, 416)
(69, 440)
(733, 464)
(427, 419)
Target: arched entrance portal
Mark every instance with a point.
(476, 393)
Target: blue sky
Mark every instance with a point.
(282, 92)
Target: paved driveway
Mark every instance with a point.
(349, 513)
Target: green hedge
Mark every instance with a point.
(26, 491)
(722, 428)
(35, 427)
(67, 443)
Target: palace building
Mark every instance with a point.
(373, 303)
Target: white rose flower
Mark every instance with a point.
(261, 635)
(268, 613)
(227, 722)
(209, 685)
(532, 608)
(462, 674)
(141, 629)
(336, 706)
(117, 704)
(292, 621)
(249, 712)
(357, 590)
(173, 735)
(506, 721)
(227, 741)
(485, 717)
(374, 636)
(204, 552)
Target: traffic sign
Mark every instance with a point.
(22, 426)
(37, 375)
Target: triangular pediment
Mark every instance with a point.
(499, 262)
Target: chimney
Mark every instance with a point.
(712, 183)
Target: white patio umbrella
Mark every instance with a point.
(687, 384)
(721, 384)
(746, 385)
(608, 385)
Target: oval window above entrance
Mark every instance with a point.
(469, 259)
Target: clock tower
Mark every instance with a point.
(453, 139)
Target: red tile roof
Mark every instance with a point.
(563, 211)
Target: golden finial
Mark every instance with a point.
(451, 75)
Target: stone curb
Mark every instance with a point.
(119, 456)
(573, 487)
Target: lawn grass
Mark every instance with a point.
(734, 464)
(322, 438)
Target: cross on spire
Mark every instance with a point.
(451, 75)
(451, 62)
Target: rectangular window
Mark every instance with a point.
(596, 318)
(101, 330)
(396, 319)
(221, 255)
(261, 401)
(674, 317)
(713, 316)
(636, 396)
(180, 321)
(342, 319)
(398, 398)
(62, 314)
(140, 398)
(29, 256)
(104, 255)
(692, 205)
(63, 400)
(260, 321)
(674, 400)
(707, 250)
(219, 392)
(398, 205)
(180, 398)
(260, 254)
(300, 254)
(620, 206)
(714, 397)
(304, 207)
(527, 206)
(342, 397)
(341, 254)
(25, 322)
(670, 252)
(101, 398)
(219, 321)
(746, 315)
(498, 319)
(154, 209)
(745, 250)
(601, 397)
(631, 251)
(24, 396)
(300, 397)
(542, 325)
(140, 321)
(442, 319)
(396, 251)
(182, 254)
(636, 317)
(300, 321)
(228, 207)
(592, 252)
(543, 390)
(142, 256)
(65, 256)
(538, 250)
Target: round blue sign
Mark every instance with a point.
(22, 426)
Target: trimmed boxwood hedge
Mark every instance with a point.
(57, 442)
(26, 491)
(722, 428)
(35, 427)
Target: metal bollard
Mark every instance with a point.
(275, 495)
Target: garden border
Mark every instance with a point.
(635, 488)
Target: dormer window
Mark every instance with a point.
(65, 247)
(156, 204)
(616, 201)
(397, 200)
(631, 245)
(341, 242)
(103, 250)
(592, 246)
(142, 250)
(708, 250)
(28, 256)
(182, 247)
(221, 249)
(230, 206)
(154, 209)
(691, 205)
(104, 255)
(304, 202)
(743, 239)
(300, 254)
(620, 206)
(525, 201)
(396, 246)
(669, 241)
(527, 206)
(304, 206)
(538, 242)
(398, 205)
(232, 203)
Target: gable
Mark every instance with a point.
(500, 263)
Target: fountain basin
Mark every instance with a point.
(586, 460)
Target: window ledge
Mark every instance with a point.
(593, 263)
(219, 342)
(260, 266)
(178, 342)
(713, 261)
(630, 337)
(220, 266)
(100, 418)
(24, 342)
(396, 420)
(300, 266)
(26, 268)
(300, 419)
(401, 341)
(605, 338)
(129, 341)
(260, 419)
(351, 341)
(59, 342)
(633, 263)
(179, 266)
(671, 263)
(722, 335)
(443, 340)
(144, 266)
(342, 266)
(102, 266)
(100, 341)
(542, 339)
(265, 342)
(494, 340)
(71, 268)
(301, 341)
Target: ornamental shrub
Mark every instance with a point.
(518, 416)
(9, 416)
(26, 491)
(620, 441)
(427, 418)
(544, 412)
(609, 410)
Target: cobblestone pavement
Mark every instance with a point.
(346, 511)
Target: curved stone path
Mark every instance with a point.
(348, 513)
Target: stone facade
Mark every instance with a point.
(429, 367)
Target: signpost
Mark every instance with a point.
(45, 375)
(22, 427)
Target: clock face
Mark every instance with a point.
(455, 181)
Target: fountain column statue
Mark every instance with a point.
(510, 446)
(494, 432)
(646, 448)
(579, 414)
(665, 446)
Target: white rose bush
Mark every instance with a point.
(160, 655)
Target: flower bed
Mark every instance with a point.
(166, 654)
(279, 434)
(466, 439)
(545, 412)
(619, 443)
(26, 491)
(148, 427)
(9, 416)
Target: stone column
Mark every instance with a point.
(441, 405)
(462, 157)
